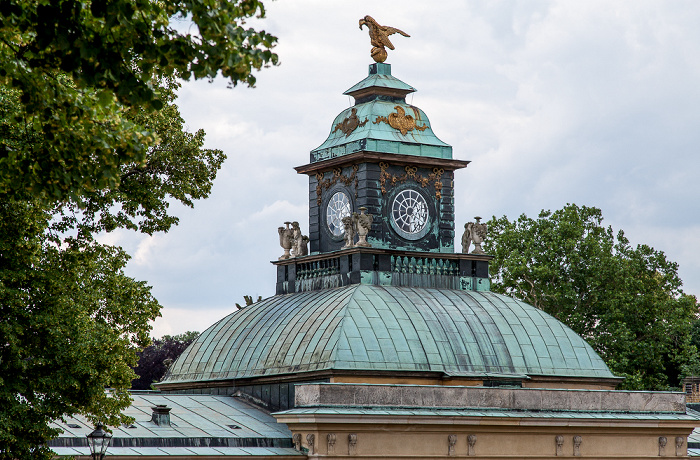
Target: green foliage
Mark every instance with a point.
(155, 359)
(73, 322)
(186, 337)
(78, 66)
(626, 301)
(90, 141)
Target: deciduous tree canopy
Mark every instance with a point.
(90, 141)
(155, 359)
(626, 301)
(77, 63)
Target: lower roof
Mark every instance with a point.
(199, 425)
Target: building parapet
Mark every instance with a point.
(530, 399)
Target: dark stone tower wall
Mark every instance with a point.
(374, 186)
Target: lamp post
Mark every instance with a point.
(98, 441)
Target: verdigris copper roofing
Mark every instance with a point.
(372, 124)
(377, 136)
(380, 328)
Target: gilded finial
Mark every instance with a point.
(379, 37)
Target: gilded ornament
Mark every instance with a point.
(400, 121)
(379, 37)
(322, 184)
(411, 173)
(350, 123)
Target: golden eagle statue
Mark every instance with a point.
(379, 36)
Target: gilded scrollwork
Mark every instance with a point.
(350, 123)
(324, 184)
(411, 173)
(400, 121)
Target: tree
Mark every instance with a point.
(626, 301)
(155, 359)
(90, 141)
(72, 320)
(78, 64)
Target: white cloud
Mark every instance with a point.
(587, 102)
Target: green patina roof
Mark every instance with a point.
(380, 77)
(200, 425)
(380, 328)
(380, 137)
(381, 94)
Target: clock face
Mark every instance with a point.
(409, 214)
(337, 208)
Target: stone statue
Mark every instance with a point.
(286, 240)
(349, 235)
(474, 233)
(466, 239)
(299, 242)
(363, 224)
(379, 37)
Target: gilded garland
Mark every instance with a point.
(412, 173)
(337, 176)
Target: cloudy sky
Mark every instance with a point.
(589, 102)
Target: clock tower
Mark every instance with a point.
(382, 159)
(383, 155)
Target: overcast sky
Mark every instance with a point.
(589, 102)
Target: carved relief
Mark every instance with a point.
(679, 446)
(352, 444)
(331, 443)
(662, 445)
(559, 443)
(474, 233)
(286, 240)
(337, 176)
(350, 123)
(411, 173)
(451, 441)
(296, 439)
(400, 121)
(577, 446)
(471, 445)
(310, 438)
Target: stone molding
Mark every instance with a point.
(359, 395)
